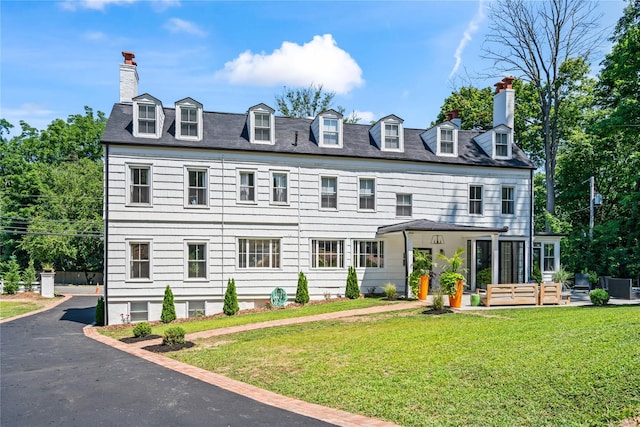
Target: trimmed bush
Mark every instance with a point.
(438, 301)
(142, 329)
(100, 312)
(29, 276)
(599, 297)
(11, 271)
(168, 307)
(390, 291)
(231, 299)
(353, 290)
(302, 293)
(173, 336)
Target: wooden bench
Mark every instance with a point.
(510, 294)
(551, 293)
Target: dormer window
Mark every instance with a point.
(327, 129)
(148, 117)
(387, 133)
(446, 141)
(189, 119)
(391, 137)
(261, 124)
(502, 144)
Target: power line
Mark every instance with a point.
(37, 233)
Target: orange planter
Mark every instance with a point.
(424, 288)
(456, 300)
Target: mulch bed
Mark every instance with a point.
(432, 311)
(160, 348)
(131, 340)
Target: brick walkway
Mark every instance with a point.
(330, 415)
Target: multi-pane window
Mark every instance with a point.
(140, 185)
(446, 141)
(391, 137)
(279, 187)
(403, 205)
(327, 254)
(262, 127)
(139, 261)
(195, 309)
(330, 132)
(146, 118)
(368, 254)
(189, 121)
(502, 145)
(259, 253)
(196, 260)
(475, 199)
(197, 191)
(367, 194)
(139, 311)
(247, 186)
(508, 200)
(329, 192)
(549, 257)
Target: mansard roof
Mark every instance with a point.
(228, 131)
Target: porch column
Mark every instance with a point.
(495, 259)
(473, 273)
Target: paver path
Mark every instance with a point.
(51, 374)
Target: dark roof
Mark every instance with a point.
(426, 225)
(227, 131)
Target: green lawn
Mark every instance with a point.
(243, 319)
(533, 367)
(10, 308)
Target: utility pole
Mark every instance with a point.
(592, 205)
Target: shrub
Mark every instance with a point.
(536, 274)
(438, 301)
(100, 312)
(561, 276)
(231, 299)
(302, 293)
(142, 329)
(168, 307)
(173, 336)
(599, 297)
(11, 276)
(29, 276)
(484, 277)
(353, 290)
(390, 291)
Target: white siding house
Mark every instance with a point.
(194, 200)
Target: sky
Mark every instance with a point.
(379, 57)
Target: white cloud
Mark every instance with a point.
(74, 5)
(95, 36)
(319, 62)
(366, 117)
(177, 25)
(472, 27)
(35, 115)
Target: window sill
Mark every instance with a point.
(139, 205)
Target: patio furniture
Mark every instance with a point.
(621, 288)
(582, 282)
(551, 293)
(509, 294)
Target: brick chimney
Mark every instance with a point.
(504, 103)
(128, 78)
(455, 118)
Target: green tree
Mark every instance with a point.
(474, 105)
(352, 290)
(11, 276)
(302, 292)
(231, 306)
(309, 102)
(168, 306)
(29, 276)
(99, 318)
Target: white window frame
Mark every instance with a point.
(273, 188)
(147, 119)
(261, 109)
(189, 104)
(147, 100)
(191, 310)
(454, 135)
(410, 205)
(360, 194)
(333, 116)
(544, 257)
(511, 202)
(473, 201)
(383, 135)
(187, 187)
(316, 258)
(130, 183)
(329, 208)
(255, 186)
(131, 311)
(130, 260)
(378, 253)
(243, 253)
(507, 145)
(204, 261)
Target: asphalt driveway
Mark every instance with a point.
(51, 374)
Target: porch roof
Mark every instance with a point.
(426, 225)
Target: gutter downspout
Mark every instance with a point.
(222, 290)
(406, 264)
(105, 267)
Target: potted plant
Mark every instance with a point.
(419, 278)
(451, 279)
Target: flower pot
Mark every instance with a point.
(455, 301)
(424, 288)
